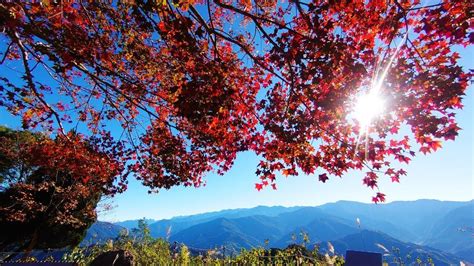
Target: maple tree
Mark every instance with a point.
(50, 188)
(194, 82)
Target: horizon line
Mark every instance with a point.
(281, 206)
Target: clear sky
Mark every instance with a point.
(446, 175)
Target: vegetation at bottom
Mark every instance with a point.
(149, 251)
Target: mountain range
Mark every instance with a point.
(406, 230)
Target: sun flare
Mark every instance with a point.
(368, 107)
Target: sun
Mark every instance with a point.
(368, 107)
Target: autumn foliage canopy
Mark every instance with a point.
(50, 188)
(176, 89)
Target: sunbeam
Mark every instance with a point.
(371, 105)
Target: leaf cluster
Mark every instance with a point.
(50, 188)
(190, 84)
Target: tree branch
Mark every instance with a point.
(31, 84)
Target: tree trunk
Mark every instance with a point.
(32, 244)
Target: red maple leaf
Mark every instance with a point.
(323, 178)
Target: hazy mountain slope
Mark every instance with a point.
(454, 232)
(254, 230)
(407, 252)
(175, 225)
(369, 218)
(130, 224)
(100, 232)
(406, 220)
(320, 229)
(317, 224)
(236, 233)
(291, 220)
(237, 213)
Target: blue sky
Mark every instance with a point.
(445, 175)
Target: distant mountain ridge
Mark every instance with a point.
(413, 219)
(100, 232)
(174, 225)
(455, 232)
(417, 227)
(130, 224)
